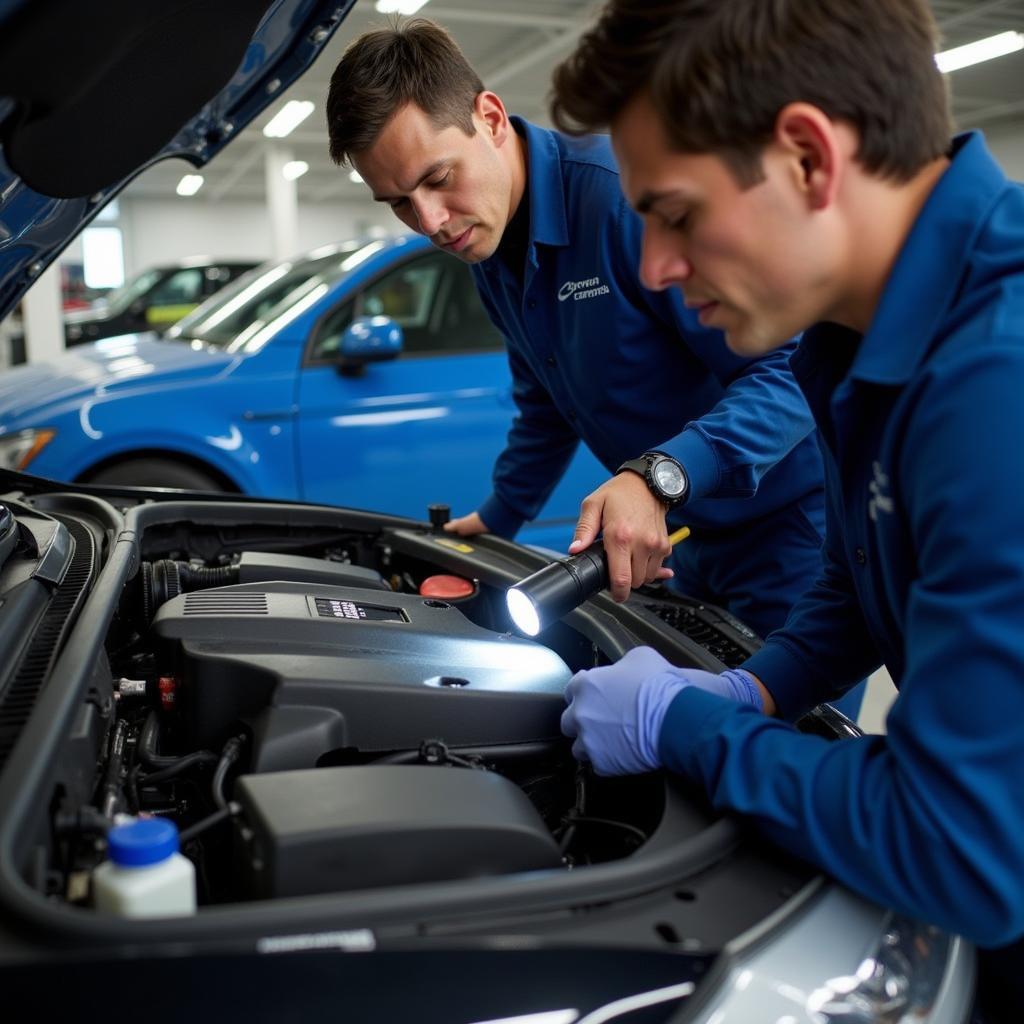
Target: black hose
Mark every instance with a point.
(149, 740)
(180, 765)
(198, 577)
(167, 578)
(232, 751)
(111, 794)
(586, 819)
(497, 752)
(209, 821)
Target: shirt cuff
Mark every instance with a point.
(698, 458)
(500, 519)
(694, 716)
(785, 677)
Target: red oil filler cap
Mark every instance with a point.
(447, 588)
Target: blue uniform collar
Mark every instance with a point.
(929, 270)
(548, 223)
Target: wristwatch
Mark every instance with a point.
(665, 477)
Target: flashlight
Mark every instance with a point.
(558, 588)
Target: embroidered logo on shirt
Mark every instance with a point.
(586, 289)
(881, 500)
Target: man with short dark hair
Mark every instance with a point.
(594, 355)
(825, 123)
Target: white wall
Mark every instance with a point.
(1008, 148)
(158, 231)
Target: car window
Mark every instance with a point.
(258, 298)
(432, 298)
(460, 322)
(214, 278)
(331, 329)
(121, 298)
(407, 295)
(181, 288)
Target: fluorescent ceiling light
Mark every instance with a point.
(189, 185)
(399, 6)
(355, 177)
(288, 118)
(983, 49)
(294, 169)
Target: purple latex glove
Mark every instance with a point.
(615, 713)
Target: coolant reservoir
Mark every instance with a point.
(145, 875)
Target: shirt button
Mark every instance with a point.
(551, 361)
(862, 558)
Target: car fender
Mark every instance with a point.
(254, 452)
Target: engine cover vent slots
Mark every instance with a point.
(215, 602)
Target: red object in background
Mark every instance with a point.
(167, 686)
(448, 588)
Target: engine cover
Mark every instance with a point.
(313, 668)
(334, 829)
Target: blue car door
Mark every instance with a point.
(425, 427)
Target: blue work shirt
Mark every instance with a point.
(598, 357)
(921, 422)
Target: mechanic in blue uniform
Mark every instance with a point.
(554, 250)
(906, 253)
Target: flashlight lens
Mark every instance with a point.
(523, 612)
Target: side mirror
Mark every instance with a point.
(369, 339)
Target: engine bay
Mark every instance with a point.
(285, 684)
(356, 732)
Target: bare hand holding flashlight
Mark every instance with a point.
(552, 592)
(632, 522)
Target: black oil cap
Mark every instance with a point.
(439, 515)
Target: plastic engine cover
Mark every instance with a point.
(336, 829)
(312, 668)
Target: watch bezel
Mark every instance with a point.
(644, 465)
(652, 468)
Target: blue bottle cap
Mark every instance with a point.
(147, 841)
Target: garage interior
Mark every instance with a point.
(271, 197)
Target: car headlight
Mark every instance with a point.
(19, 449)
(843, 959)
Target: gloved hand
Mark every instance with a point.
(615, 712)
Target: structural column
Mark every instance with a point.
(282, 204)
(43, 317)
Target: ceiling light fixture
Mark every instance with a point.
(189, 185)
(294, 169)
(399, 6)
(984, 49)
(288, 118)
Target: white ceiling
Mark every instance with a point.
(514, 47)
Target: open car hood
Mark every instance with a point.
(79, 121)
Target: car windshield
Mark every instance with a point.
(121, 298)
(265, 295)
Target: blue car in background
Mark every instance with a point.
(364, 373)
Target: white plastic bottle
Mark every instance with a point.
(145, 875)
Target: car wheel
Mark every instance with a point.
(157, 473)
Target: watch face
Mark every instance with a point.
(669, 477)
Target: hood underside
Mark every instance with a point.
(79, 120)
